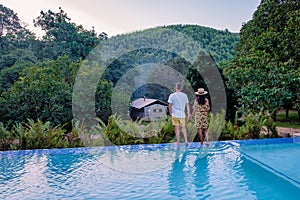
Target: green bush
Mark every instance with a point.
(39, 135)
(251, 127)
(6, 138)
(88, 137)
(123, 132)
(116, 135)
(167, 133)
(216, 125)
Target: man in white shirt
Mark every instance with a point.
(178, 101)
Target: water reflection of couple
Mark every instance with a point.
(184, 176)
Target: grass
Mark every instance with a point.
(291, 122)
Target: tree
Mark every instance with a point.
(14, 38)
(39, 93)
(9, 22)
(64, 37)
(10, 74)
(11, 57)
(265, 70)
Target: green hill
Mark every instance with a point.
(218, 43)
(178, 47)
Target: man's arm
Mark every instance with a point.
(170, 109)
(188, 110)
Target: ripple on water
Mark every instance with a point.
(194, 172)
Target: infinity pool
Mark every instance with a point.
(256, 169)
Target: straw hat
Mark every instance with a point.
(201, 91)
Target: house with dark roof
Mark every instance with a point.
(148, 109)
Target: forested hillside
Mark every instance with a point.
(37, 74)
(219, 44)
(173, 46)
(259, 70)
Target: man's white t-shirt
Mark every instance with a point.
(178, 101)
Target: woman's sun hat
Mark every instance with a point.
(201, 91)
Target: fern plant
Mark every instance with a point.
(6, 138)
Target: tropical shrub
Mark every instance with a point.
(252, 126)
(6, 138)
(39, 135)
(115, 134)
(88, 137)
(216, 125)
(167, 133)
(123, 132)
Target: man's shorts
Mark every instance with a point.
(178, 121)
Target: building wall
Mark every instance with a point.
(155, 112)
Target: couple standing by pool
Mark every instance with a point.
(179, 102)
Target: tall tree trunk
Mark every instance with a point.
(274, 116)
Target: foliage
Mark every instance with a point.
(15, 57)
(64, 37)
(288, 121)
(33, 136)
(216, 125)
(265, 71)
(36, 135)
(39, 135)
(6, 138)
(183, 44)
(10, 74)
(37, 77)
(10, 22)
(38, 94)
(88, 137)
(16, 42)
(122, 132)
(90, 100)
(28, 65)
(218, 43)
(115, 134)
(103, 99)
(253, 126)
(167, 133)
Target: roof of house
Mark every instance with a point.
(143, 102)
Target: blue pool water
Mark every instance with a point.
(256, 169)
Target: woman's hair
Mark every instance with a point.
(200, 99)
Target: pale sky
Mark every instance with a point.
(122, 16)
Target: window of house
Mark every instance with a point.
(148, 113)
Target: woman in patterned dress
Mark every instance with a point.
(201, 110)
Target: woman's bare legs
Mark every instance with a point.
(200, 135)
(206, 135)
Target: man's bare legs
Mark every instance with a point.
(177, 135)
(184, 132)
